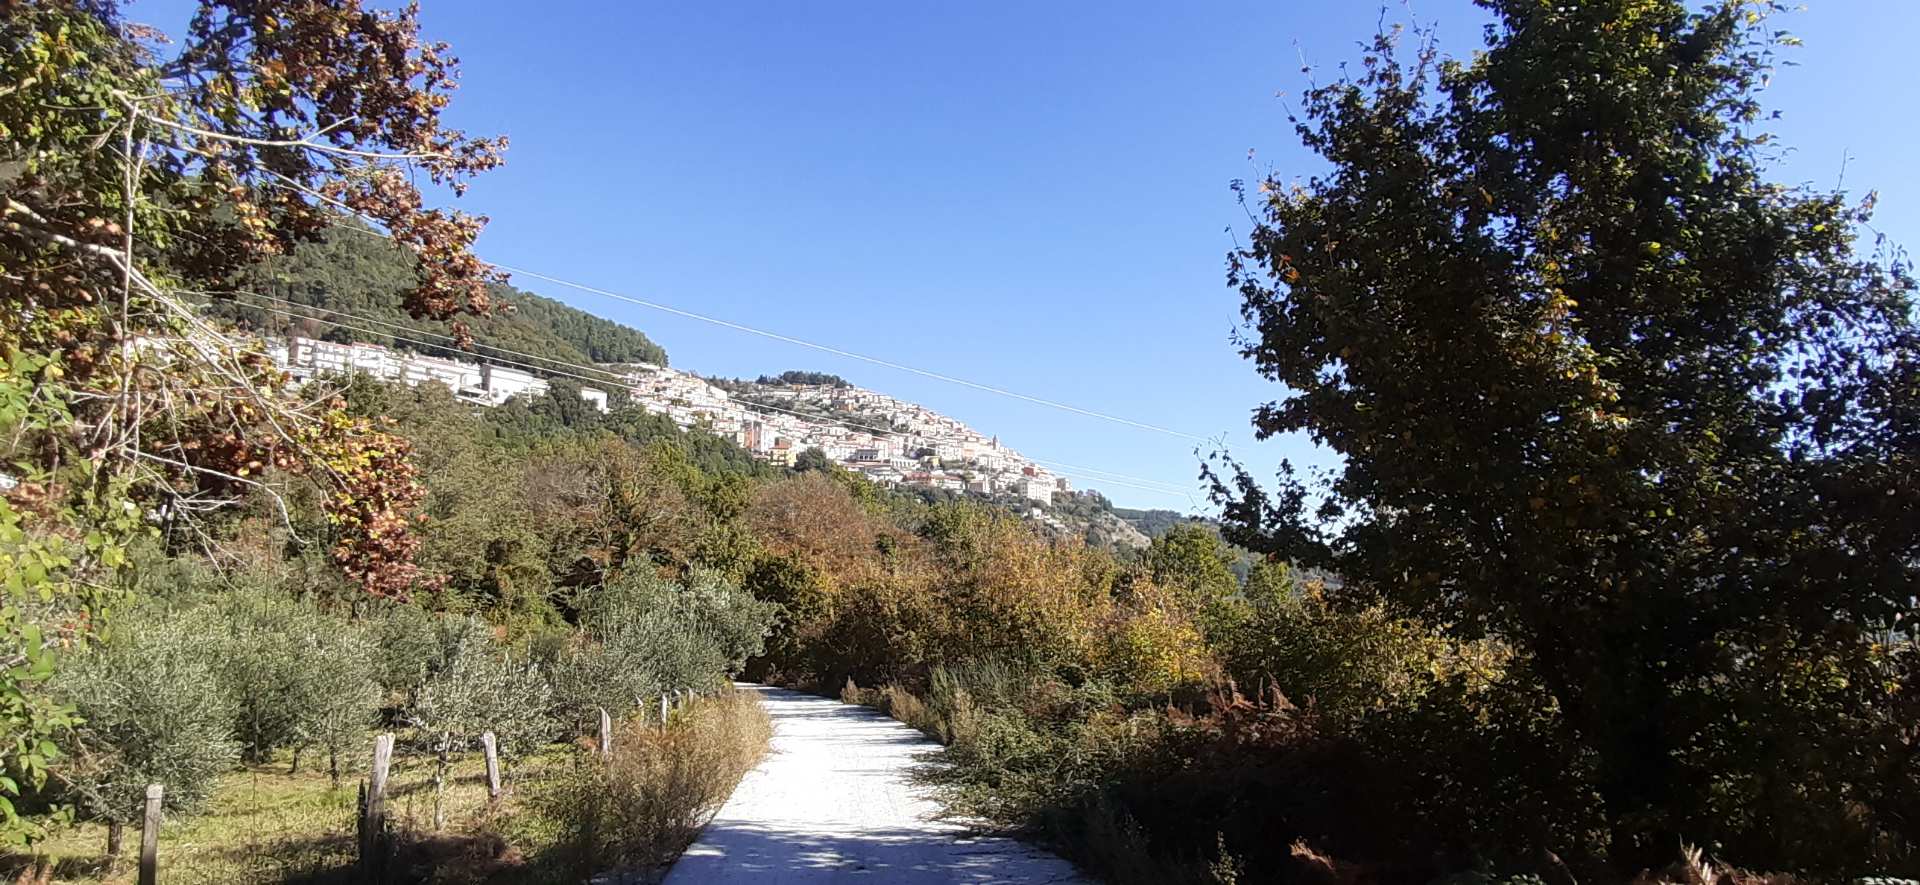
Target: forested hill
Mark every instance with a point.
(1154, 523)
(363, 276)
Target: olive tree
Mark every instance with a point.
(470, 686)
(644, 636)
(339, 694)
(152, 710)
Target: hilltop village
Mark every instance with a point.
(883, 438)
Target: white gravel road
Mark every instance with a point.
(835, 801)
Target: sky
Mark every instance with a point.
(1030, 196)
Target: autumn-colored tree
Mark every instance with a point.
(818, 521)
(1600, 389)
(137, 175)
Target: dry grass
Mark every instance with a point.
(1695, 868)
(640, 808)
(901, 704)
(264, 825)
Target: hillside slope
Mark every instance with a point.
(364, 276)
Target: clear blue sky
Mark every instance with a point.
(1029, 195)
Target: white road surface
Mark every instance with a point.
(835, 802)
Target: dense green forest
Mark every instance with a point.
(1152, 523)
(361, 278)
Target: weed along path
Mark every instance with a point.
(835, 801)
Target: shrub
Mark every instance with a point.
(644, 804)
(153, 710)
(645, 636)
(1346, 662)
(1156, 650)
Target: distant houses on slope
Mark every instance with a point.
(483, 383)
(883, 438)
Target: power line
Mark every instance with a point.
(1139, 483)
(824, 348)
(851, 355)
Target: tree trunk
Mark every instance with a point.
(333, 766)
(116, 833)
(295, 767)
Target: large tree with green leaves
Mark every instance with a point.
(139, 175)
(1600, 389)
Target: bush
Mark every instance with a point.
(1156, 651)
(645, 636)
(642, 806)
(153, 710)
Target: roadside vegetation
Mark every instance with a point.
(255, 705)
(642, 807)
(1616, 563)
(565, 815)
(1613, 579)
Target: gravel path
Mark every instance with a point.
(834, 801)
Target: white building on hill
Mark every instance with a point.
(502, 384)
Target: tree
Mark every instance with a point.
(1269, 582)
(471, 686)
(1190, 560)
(353, 277)
(645, 636)
(152, 710)
(264, 670)
(139, 173)
(1601, 390)
(812, 459)
(797, 378)
(344, 699)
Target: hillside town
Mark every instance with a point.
(883, 438)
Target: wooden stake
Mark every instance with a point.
(373, 812)
(377, 779)
(606, 734)
(150, 837)
(663, 712)
(488, 746)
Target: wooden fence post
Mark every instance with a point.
(488, 746)
(663, 711)
(606, 734)
(373, 813)
(150, 837)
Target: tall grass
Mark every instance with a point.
(640, 808)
